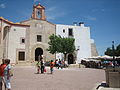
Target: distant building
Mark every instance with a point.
(27, 40)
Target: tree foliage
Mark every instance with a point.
(54, 44)
(67, 45)
(118, 50)
(109, 51)
(57, 44)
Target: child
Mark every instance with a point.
(51, 66)
(38, 66)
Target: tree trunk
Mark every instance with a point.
(65, 54)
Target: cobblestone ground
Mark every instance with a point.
(25, 78)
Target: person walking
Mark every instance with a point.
(2, 67)
(42, 65)
(38, 66)
(51, 66)
(7, 74)
(60, 64)
(57, 64)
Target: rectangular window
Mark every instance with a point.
(22, 40)
(39, 38)
(70, 32)
(21, 56)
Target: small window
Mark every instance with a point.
(70, 32)
(14, 29)
(22, 40)
(39, 38)
(21, 56)
(63, 30)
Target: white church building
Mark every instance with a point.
(27, 40)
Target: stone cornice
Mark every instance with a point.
(14, 24)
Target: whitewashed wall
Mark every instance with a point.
(82, 39)
(15, 35)
(3, 42)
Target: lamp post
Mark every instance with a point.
(77, 49)
(113, 55)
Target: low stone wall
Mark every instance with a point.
(113, 77)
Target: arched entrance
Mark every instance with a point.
(70, 59)
(38, 52)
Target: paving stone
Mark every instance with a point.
(25, 78)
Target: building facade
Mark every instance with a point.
(27, 40)
(12, 40)
(81, 34)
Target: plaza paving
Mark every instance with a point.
(25, 78)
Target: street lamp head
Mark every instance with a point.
(112, 42)
(78, 48)
(113, 45)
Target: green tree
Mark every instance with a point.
(118, 50)
(109, 51)
(58, 44)
(53, 44)
(67, 46)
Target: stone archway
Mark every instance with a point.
(38, 52)
(37, 47)
(70, 59)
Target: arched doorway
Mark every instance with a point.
(38, 52)
(70, 59)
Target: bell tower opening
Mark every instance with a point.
(38, 12)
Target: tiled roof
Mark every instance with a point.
(15, 24)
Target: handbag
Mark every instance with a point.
(11, 72)
(44, 69)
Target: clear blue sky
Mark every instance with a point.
(102, 16)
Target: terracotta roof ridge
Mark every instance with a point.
(9, 22)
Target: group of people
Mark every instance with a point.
(59, 63)
(41, 66)
(5, 74)
(97, 64)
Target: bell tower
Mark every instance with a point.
(38, 12)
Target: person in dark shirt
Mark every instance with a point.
(42, 65)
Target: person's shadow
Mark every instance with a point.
(39, 73)
(44, 73)
(49, 73)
